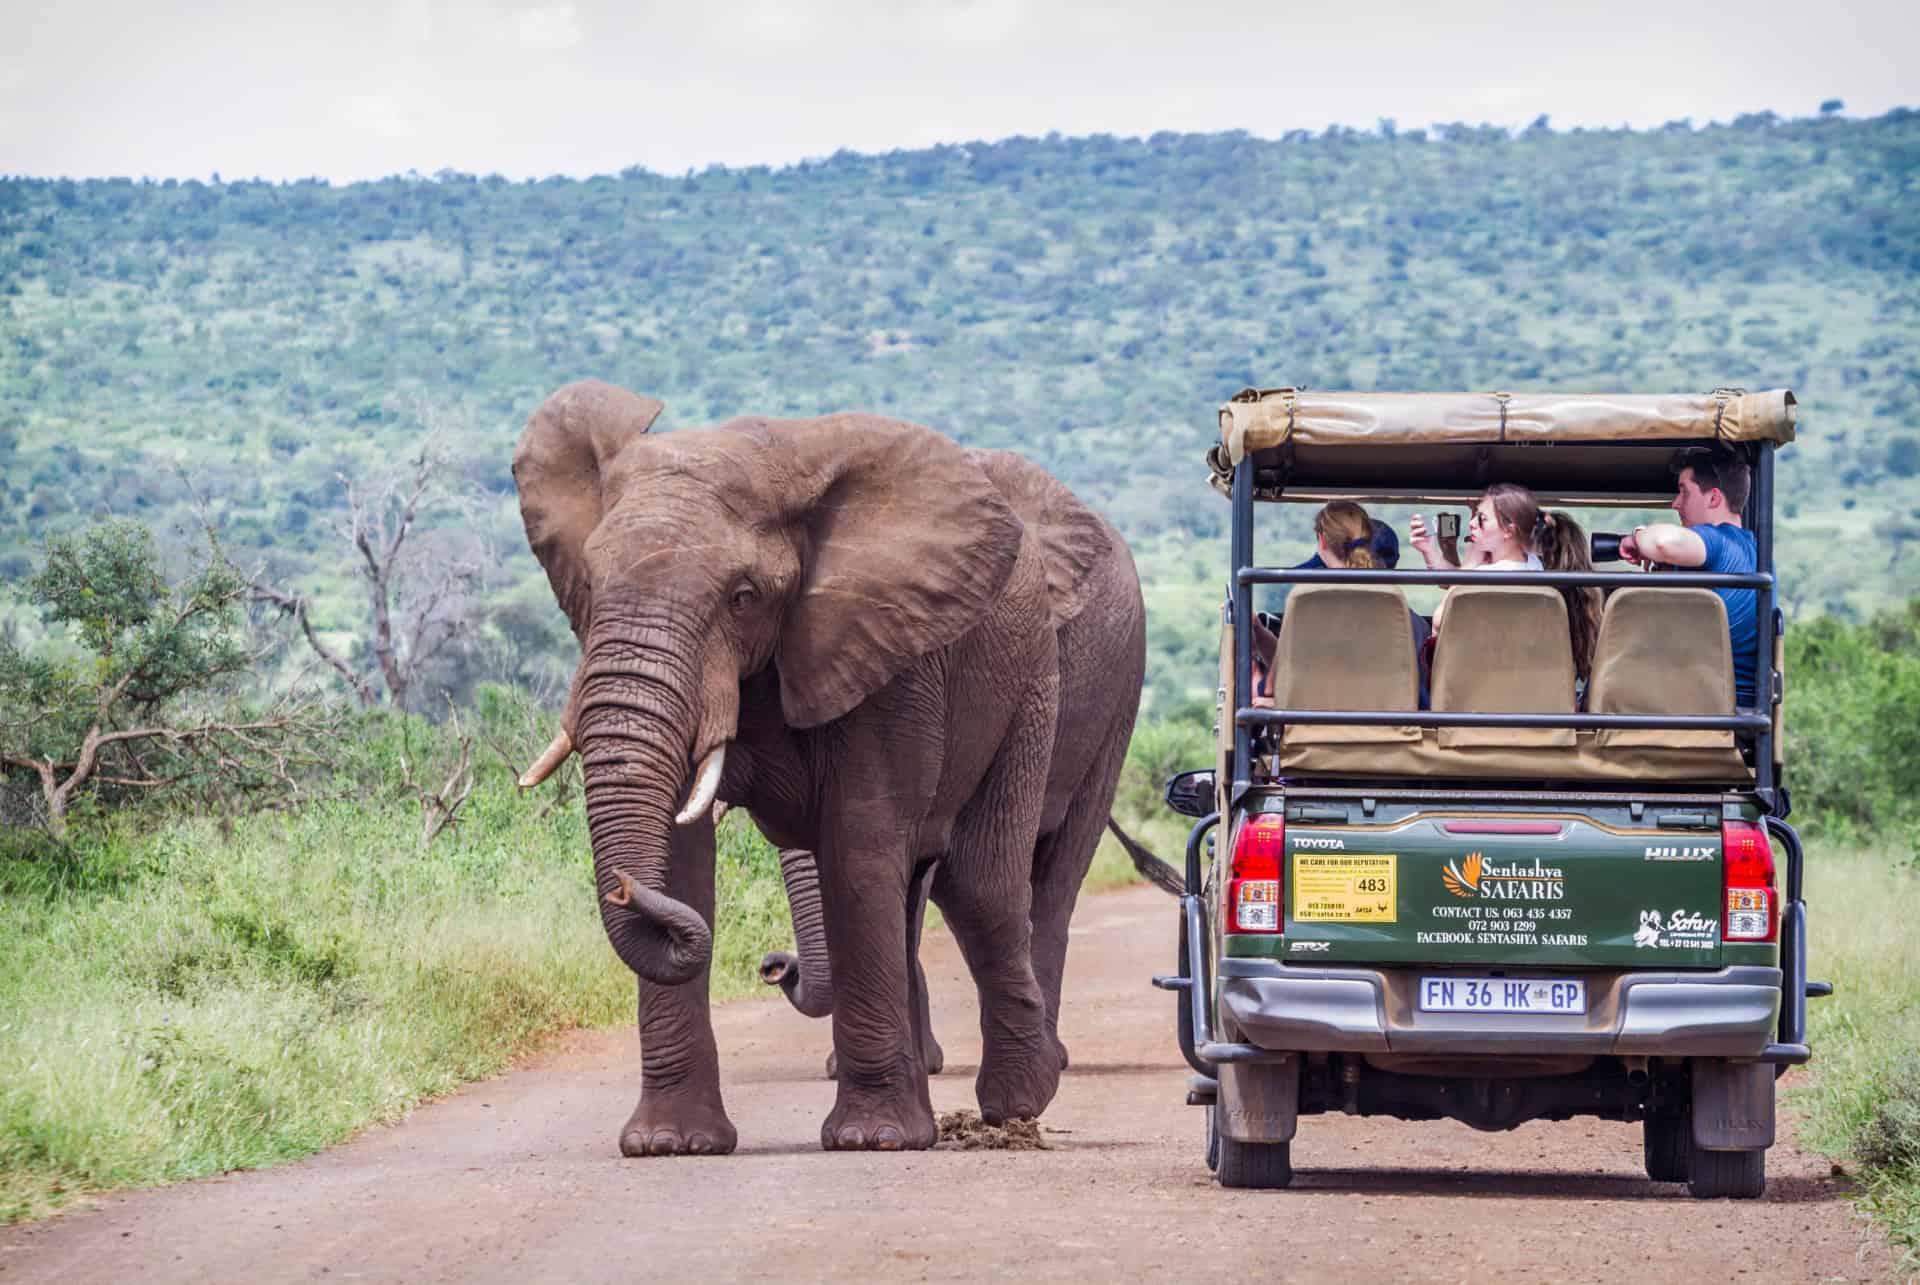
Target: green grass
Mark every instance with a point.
(191, 1000)
(1861, 1105)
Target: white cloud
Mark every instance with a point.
(411, 22)
(397, 112)
(549, 28)
(766, 26)
(972, 24)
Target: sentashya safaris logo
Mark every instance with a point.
(1476, 877)
(1463, 880)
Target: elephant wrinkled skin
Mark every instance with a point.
(843, 626)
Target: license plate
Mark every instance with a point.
(1501, 995)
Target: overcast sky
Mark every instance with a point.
(358, 89)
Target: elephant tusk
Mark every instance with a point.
(706, 784)
(720, 811)
(550, 758)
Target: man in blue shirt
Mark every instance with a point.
(1713, 487)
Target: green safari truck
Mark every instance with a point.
(1485, 883)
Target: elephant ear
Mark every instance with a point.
(560, 468)
(1074, 540)
(905, 546)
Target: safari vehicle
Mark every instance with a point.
(1510, 906)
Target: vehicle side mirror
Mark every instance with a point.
(1191, 793)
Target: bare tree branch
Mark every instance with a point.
(440, 808)
(297, 605)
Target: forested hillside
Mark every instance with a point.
(1086, 301)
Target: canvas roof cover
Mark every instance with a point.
(1256, 420)
(1607, 445)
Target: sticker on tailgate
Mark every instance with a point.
(1345, 888)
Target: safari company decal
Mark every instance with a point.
(1482, 884)
(1475, 877)
(1678, 929)
(1345, 889)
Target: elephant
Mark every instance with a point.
(841, 625)
(1098, 629)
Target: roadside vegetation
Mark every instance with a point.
(1853, 705)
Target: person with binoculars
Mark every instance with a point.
(1510, 531)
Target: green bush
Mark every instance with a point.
(1853, 700)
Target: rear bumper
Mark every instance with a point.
(1732, 1012)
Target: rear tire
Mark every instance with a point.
(1260, 1166)
(1666, 1145)
(1736, 1175)
(1213, 1143)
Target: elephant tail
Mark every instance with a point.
(1151, 868)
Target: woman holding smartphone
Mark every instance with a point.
(1509, 531)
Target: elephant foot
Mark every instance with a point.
(1017, 1088)
(869, 1122)
(663, 1126)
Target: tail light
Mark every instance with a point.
(1753, 909)
(1253, 891)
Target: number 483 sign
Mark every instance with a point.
(1348, 888)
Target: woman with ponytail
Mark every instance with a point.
(1563, 546)
(1510, 531)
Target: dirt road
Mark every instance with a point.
(518, 1180)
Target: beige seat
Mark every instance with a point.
(1346, 647)
(1663, 651)
(1504, 650)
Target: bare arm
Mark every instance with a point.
(1664, 542)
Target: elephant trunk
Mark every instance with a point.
(635, 735)
(689, 942)
(806, 980)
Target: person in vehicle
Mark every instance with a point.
(1345, 538)
(1509, 531)
(1711, 494)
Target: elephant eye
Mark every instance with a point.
(743, 597)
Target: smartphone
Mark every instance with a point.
(1449, 526)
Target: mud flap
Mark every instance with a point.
(1260, 1101)
(1732, 1105)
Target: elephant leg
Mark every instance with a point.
(932, 1056)
(882, 1102)
(1060, 863)
(680, 1111)
(984, 887)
